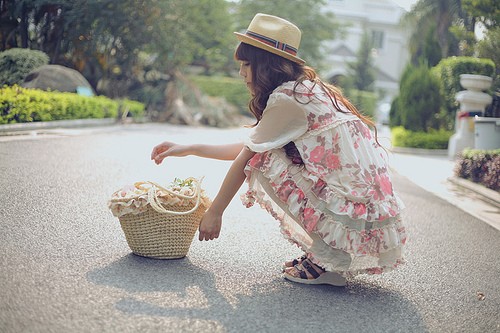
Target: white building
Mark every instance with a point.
(379, 18)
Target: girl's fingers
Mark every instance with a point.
(154, 154)
(159, 159)
(159, 149)
(161, 156)
(206, 236)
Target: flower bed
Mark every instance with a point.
(480, 166)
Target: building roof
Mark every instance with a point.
(344, 51)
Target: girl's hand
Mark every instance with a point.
(210, 225)
(166, 149)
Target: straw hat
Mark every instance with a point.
(273, 34)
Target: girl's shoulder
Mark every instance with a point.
(304, 87)
(304, 92)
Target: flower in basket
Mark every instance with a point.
(135, 199)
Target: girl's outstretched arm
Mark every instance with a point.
(212, 220)
(218, 152)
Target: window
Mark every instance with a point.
(378, 39)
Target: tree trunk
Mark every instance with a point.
(176, 110)
(24, 28)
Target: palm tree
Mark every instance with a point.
(437, 15)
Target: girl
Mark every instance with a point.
(310, 160)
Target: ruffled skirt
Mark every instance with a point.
(332, 229)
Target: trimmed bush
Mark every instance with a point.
(395, 113)
(434, 139)
(480, 166)
(19, 105)
(448, 71)
(15, 64)
(419, 99)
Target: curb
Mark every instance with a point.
(486, 194)
(41, 125)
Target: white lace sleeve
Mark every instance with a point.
(283, 120)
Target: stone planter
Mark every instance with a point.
(475, 82)
(472, 101)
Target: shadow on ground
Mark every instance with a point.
(180, 289)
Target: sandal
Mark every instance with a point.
(292, 263)
(310, 273)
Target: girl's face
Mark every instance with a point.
(246, 73)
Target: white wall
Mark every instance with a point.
(371, 15)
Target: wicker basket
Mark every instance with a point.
(163, 232)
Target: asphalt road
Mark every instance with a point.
(65, 265)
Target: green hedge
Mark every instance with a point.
(232, 89)
(419, 99)
(18, 105)
(448, 71)
(434, 139)
(480, 166)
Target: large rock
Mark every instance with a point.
(60, 78)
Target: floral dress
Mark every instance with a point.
(339, 205)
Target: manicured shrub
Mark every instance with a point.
(433, 139)
(19, 105)
(419, 100)
(449, 70)
(395, 113)
(480, 166)
(15, 64)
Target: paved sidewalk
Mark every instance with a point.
(432, 170)
(435, 174)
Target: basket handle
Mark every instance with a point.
(157, 205)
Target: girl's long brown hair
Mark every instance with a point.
(270, 71)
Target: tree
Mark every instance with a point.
(484, 11)
(316, 24)
(361, 74)
(192, 31)
(489, 48)
(426, 49)
(96, 37)
(454, 24)
(434, 14)
(109, 41)
(212, 19)
(103, 43)
(419, 100)
(33, 24)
